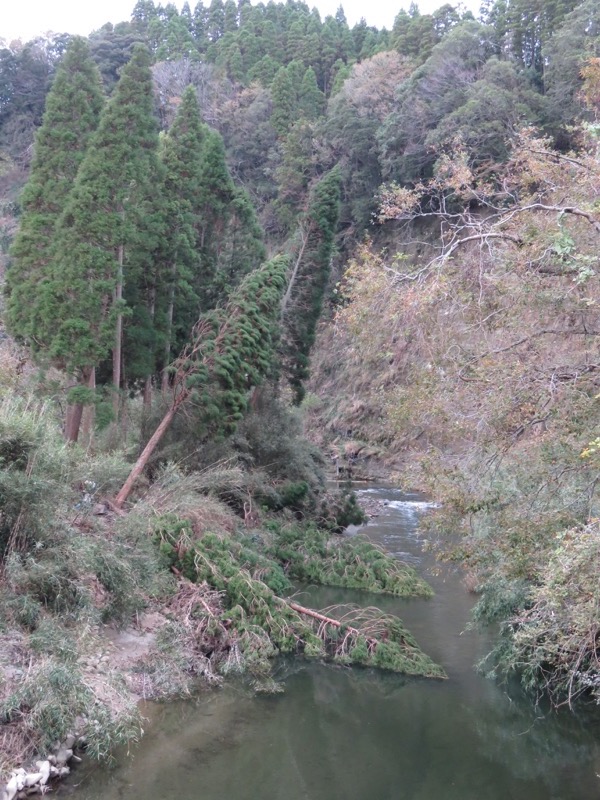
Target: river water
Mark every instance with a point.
(353, 734)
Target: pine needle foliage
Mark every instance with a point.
(317, 233)
(240, 353)
(212, 235)
(73, 108)
(104, 213)
(182, 156)
(257, 623)
(310, 555)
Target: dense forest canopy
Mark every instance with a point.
(210, 216)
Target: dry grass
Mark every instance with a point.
(187, 497)
(16, 748)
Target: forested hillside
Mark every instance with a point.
(227, 227)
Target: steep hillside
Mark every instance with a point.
(473, 371)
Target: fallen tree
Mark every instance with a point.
(249, 619)
(229, 353)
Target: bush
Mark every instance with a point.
(552, 641)
(53, 694)
(36, 470)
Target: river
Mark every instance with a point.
(354, 734)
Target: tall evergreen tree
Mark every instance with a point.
(216, 20)
(311, 98)
(226, 219)
(182, 155)
(241, 248)
(72, 113)
(230, 17)
(230, 352)
(212, 234)
(101, 230)
(284, 101)
(303, 300)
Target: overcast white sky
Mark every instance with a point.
(27, 18)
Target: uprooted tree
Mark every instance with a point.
(230, 352)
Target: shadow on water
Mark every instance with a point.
(362, 734)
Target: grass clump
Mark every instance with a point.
(55, 695)
(36, 472)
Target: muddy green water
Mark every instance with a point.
(362, 735)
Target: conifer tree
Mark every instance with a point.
(182, 155)
(230, 352)
(212, 234)
(303, 300)
(230, 238)
(284, 101)
(100, 231)
(264, 71)
(216, 20)
(242, 247)
(230, 17)
(216, 192)
(72, 113)
(311, 98)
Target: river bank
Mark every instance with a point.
(359, 734)
(112, 608)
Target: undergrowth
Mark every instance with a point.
(215, 549)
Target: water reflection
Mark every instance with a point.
(362, 734)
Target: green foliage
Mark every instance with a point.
(45, 487)
(26, 71)
(577, 39)
(498, 103)
(523, 28)
(258, 623)
(104, 213)
(73, 108)
(550, 639)
(341, 509)
(35, 471)
(183, 277)
(270, 438)
(239, 354)
(311, 556)
(310, 277)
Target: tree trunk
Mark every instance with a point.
(170, 313)
(309, 612)
(89, 414)
(75, 411)
(139, 465)
(117, 350)
(147, 396)
(294, 274)
(74, 416)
